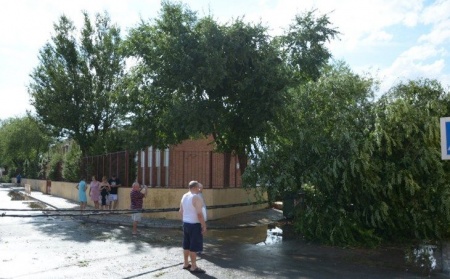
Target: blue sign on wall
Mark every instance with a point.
(445, 138)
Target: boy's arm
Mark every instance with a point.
(144, 191)
(181, 210)
(198, 204)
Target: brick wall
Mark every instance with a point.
(190, 160)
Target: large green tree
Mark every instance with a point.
(322, 149)
(22, 145)
(370, 170)
(75, 87)
(196, 76)
(208, 79)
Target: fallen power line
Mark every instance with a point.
(78, 212)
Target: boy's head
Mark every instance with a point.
(136, 186)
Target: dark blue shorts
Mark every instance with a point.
(192, 237)
(105, 200)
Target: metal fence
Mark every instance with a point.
(167, 168)
(118, 163)
(213, 170)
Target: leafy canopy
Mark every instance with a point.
(75, 87)
(197, 77)
(23, 140)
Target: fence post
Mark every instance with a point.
(210, 169)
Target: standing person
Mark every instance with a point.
(105, 188)
(18, 179)
(94, 191)
(114, 182)
(81, 186)
(194, 226)
(137, 196)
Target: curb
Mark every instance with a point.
(247, 222)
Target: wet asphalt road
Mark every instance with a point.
(67, 247)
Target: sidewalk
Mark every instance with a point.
(243, 220)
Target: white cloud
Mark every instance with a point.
(417, 62)
(429, 57)
(408, 70)
(419, 52)
(380, 36)
(440, 33)
(437, 16)
(438, 11)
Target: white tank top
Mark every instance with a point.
(189, 212)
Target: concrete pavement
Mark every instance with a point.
(243, 220)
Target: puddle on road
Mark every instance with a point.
(260, 235)
(17, 196)
(274, 235)
(36, 205)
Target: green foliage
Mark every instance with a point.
(413, 178)
(75, 87)
(371, 171)
(71, 170)
(323, 142)
(23, 141)
(55, 166)
(196, 76)
(43, 166)
(114, 140)
(323, 221)
(303, 46)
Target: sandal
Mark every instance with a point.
(197, 270)
(187, 267)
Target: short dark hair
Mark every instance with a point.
(193, 184)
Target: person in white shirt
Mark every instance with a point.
(194, 226)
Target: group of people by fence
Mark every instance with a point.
(104, 194)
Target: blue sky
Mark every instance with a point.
(393, 40)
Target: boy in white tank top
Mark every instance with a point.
(194, 226)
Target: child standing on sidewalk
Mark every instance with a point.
(137, 196)
(105, 188)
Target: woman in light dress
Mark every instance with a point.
(81, 186)
(94, 191)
